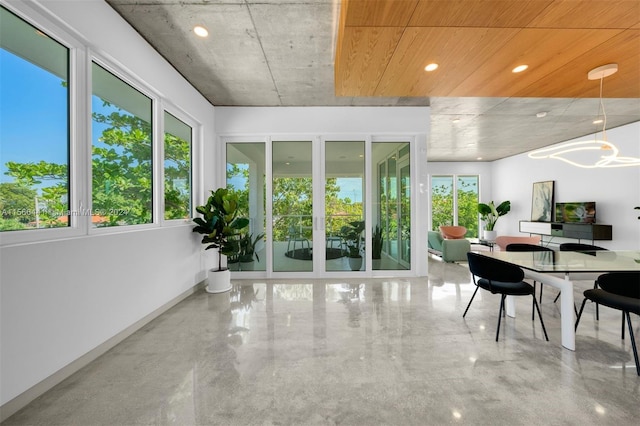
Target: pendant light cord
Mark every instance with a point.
(604, 114)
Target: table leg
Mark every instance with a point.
(567, 315)
(511, 306)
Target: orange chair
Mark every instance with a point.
(453, 232)
(504, 240)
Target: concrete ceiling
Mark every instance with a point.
(281, 53)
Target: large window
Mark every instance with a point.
(46, 180)
(454, 201)
(177, 168)
(34, 103)
(121, 152)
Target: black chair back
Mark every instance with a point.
(579, 247)
(621, 283)
(526, 247)
(493, 269)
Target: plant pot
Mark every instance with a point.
(247, 266)
(218, 281)
(355, 263)
(489, 235)
(233, 266)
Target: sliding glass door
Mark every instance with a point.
(292, 206)
(344, 200)
(391, 233)
(246, 177)
(308, 202)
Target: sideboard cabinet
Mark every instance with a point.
(579, 231)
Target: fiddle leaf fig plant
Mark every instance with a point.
(352, 235)
(489, 213)
(220, 225)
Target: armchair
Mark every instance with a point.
(448, 250)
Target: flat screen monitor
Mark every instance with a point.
(576, 212)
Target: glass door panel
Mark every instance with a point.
(391, 229)
(246, 177)
(404, 235)
(292, 206)
(344, 206)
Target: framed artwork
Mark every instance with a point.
(542, 201)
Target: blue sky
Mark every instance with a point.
(33, 108)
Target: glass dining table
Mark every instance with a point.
(560, 269)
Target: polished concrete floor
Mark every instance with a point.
(353, 352)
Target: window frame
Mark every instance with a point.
(75, 118)
(455, 177)
(81, 57)
(196, 128)
(128, 79)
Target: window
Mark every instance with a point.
(177, 168)
(34, 100)
(454, 201)
(121, 152)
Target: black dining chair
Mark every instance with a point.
(580, 247)
(586, 248)
(502, 278)
(618, 290)
(523, 247)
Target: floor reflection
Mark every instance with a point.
(392, 351)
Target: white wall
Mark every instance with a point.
(322, 120)
(616, 191)
(362, 122)
(61, 299)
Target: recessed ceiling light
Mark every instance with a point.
(520, 68)
(455, 120)
(479, 158)
(431, 67)
(361, 155)
(541, 114)
(598, 121)
(200, 31)
(287, 163)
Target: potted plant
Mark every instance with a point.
(352, 235)
(248, 251)
(233, 260)
(376, 246)
(489, 213)
(220, 227)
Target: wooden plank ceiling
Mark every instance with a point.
(384, 45)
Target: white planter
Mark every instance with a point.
(355, 263)
(218, 281)
(489, 235)
(247, 266)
